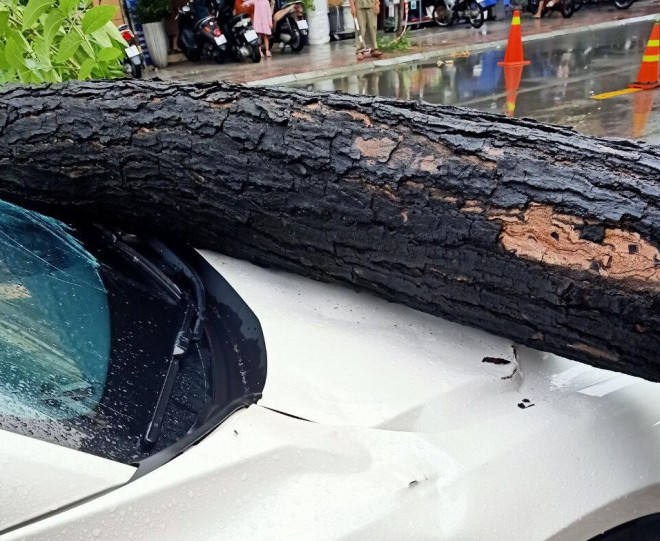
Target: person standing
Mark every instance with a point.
(262, 21)
(172, 25)
(543, 4)
(366, 11)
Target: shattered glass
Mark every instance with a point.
(86, 338)
(54, 319)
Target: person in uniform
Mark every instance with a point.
(366, 12)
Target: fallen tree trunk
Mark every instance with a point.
(526, 230)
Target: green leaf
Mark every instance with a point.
(52, 25)
(12, 75)
(57, 76)
(4, 19)
(68, 46)
(34, 10)
(42, 51)
(114, 33)
(51, 76)
(109, 54)
(14, 55)
(100, 37)
(4, 65)
(24, 76)
(87, 47)
(18, 37)
(97, 17)
(67, 6)
(86, 69)
(31, 64)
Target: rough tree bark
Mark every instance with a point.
(529, 231)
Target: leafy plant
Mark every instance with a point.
(308, 5)
(400, 44)
(152, 11)
(56, 40)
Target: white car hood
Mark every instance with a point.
(415, 437)
(342, 357)
(38, 478)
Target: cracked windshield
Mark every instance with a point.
(54, 355)
(330, 270)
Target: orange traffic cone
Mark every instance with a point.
(647, 77)
(642, 105)
(514, 48)
(512, 75)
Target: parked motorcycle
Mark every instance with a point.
(446, 12)
(618, 4)
(219, 36)
(623, 4)
(290, 27)
(200, 39)
(133, 59)
(242, 40)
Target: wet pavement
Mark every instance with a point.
(340, 56)
(557, 87)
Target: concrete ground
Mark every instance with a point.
(339, 57)
(557, 87)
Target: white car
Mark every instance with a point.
(134, 404)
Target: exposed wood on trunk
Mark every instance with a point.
(529, 231)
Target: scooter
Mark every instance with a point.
(290, 27)
(242, 40)
(618, 4)
(133, 59)
(446, 12)
(200, 39)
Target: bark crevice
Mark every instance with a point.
(530, 231)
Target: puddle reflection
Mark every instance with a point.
(556, 87)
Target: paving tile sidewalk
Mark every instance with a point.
(339, 57)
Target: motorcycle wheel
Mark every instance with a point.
(532, 6)
(623, 4)
(136, 71)
(567, 8)
(192, 56)
(255, 54)
(474, 14)
(297, 42)
(442, 15)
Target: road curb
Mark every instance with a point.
(366, 67)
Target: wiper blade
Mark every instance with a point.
(141, 262)
(191, 331)
(196, 282)
(181, 345)
(191, 326)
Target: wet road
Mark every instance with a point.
(556, 87)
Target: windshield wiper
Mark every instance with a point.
(196, 282)
(191, 331)
(191, 326)
(141, 262)
(183, 340)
